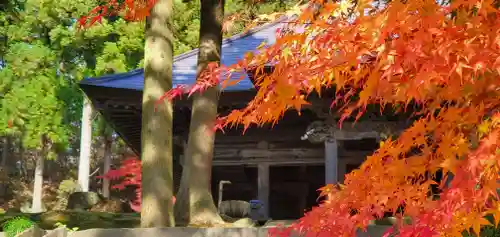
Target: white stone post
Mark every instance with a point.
(85, 146)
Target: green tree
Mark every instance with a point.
(31, 105)
(244, 14)
(43, 56)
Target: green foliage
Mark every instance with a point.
(239, 13)
(242, 12)
(67, 187)
(43, 56)
(31, 102)
(187, 25)
(17, 225)
(490, 231)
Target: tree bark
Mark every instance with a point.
(4, 165)
(156, 137)
(22, 161)
(197, 172)
(5, 151)
(85, 146)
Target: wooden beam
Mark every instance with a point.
(257, 161)
(248, 153)
(278, 156)
(319, 131)
(274, 153)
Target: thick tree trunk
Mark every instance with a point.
(108, 142)
(156, 139)
(197, 172)
(85, 146)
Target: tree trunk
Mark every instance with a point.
(85, 146)
(107, 162)
(197, 172)
(36, 206)
(21, 162)
(5, 152)
(4, 166)
(156, 137)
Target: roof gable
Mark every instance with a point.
(184, 68)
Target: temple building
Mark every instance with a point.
(282, 166)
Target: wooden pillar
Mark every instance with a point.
(303, 196)
(331, 162)
(263, 188)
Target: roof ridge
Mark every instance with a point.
(226, 41)
(230, 39)
(112, 77)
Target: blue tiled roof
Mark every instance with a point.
(184, 69)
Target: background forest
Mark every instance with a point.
(43, 56)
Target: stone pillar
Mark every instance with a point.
(263, 189)
(331, 162)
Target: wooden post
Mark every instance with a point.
(263, 188)
(331, 162)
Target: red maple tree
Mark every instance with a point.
(128, 174)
